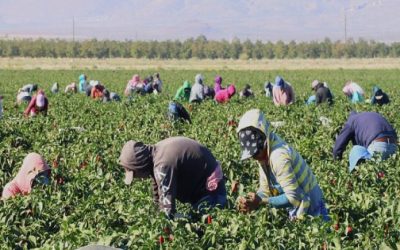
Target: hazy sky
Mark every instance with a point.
(300, 20)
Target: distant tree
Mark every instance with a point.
(280, 50)
(235, 48)
(292, 50)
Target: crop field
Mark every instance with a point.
(88, 202)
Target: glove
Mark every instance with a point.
(249, 203)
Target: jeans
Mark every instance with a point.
(215, 199)
(383, 148)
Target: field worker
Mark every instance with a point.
(183, 93)
(322, 93)
(148, 85)
(34, 171)
(38, 104)
(370, 133)
(354, 92)
(157, 83)
(55, 88)
(180, 168)
(379, 97)
(225, 95)
(97, 91)
(268, 89)
(217, 84)
(197, 91)
(23, 96)
(133, 85)
(177, 112)
(108, 97)
(246, 92)
(209, 92)
(30, 88)
(88, 90)
(71, 88)
(282, 92)
(82, 83)
(286, 181)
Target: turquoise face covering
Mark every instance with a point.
(41, 179)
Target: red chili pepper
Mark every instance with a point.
(336, 227)
(349, 230)
(209, 219)
(167, 230)
(55, 164)
(83, 165)
(60, 180)
(161, 239)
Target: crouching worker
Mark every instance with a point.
(180, 168)
(71, 88)
(246, 92)
(110, 96)
(379, 97)
(370, 133)
(223, 96)
(38, 104)
(286, 181)
(177, 112)
(34, 171)
(54, 88)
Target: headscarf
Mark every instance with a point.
(255, 119)
(135, 80)
(198, 79)
(32, 165)
(279, 82)
(40, 99)
(136, 156)
(218, 79)
(314, 84)
(351, 87)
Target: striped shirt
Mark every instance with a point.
(287, 173)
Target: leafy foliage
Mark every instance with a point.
(87, 201)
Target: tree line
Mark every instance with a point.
(198, 47)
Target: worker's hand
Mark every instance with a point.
(249, 203)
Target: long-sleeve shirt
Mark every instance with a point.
(32, 165)
(283, 96)
(362, 129)
(323, 94)
(181, 169)
(183, 93)
(287, 181)
(197, 93)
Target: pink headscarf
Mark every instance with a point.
(22, 183)
(135, 80)
(351, 87)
